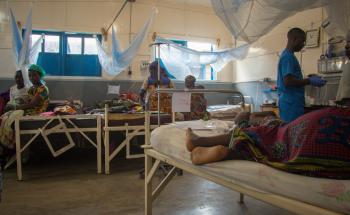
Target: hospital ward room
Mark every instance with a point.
(175, 107)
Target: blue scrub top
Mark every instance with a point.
(291, 99)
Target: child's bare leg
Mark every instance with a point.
(203, 155)
(193, 140)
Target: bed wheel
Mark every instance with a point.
(241, 198)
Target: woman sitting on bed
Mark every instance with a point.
(18, 93)
(198, 101)
(37, 103)
(315, 144)
(150, 85)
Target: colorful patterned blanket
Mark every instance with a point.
(316, 144)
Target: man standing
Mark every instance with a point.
(290, 81)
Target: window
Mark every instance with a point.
(52, 44)
(74, 45)
(207, 73)
(90, 47)
(35, 38)
(68, 54)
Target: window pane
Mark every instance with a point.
(206, 69)
(35, 38)
(207, 72)
(90, 46)
(74, 45)
(52, 44)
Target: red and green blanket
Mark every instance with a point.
(316, 144)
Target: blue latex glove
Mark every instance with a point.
(317, 81)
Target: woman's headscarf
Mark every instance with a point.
(153, 69)
(38, 69)
(164, 72)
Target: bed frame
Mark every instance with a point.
(56, 124)
(154, 158)
(131, 131)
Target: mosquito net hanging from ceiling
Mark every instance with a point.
(248, 20)
(181, 61)
(23, 51)
(338, 22)
(118, 60)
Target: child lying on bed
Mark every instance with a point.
(315, 144)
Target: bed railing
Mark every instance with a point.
(171, 91)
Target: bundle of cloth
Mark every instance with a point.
(65, 107)
(127, 102)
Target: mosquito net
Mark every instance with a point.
(181, 61)
(23, 51)
(117, 60)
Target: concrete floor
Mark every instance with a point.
(69, 185)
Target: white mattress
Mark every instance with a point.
(326, 193)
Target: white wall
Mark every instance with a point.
(263, 58)
(176, 19)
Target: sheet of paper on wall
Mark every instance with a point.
(181, 102)
(113, 89)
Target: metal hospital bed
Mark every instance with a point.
(153, 158)
(132, 125)
(45, 126)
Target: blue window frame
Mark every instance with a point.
(69, 54)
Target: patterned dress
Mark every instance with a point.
(43, 92)
(198, 106)
(165, 99)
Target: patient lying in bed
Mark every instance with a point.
(315, 144)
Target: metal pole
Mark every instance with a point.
(116, 16)
(158, 45)
(130, 72)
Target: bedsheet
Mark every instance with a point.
(224, 112)
(326, 193)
